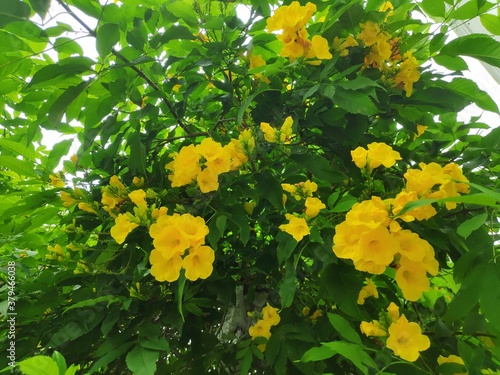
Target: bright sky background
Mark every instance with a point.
(476, 72)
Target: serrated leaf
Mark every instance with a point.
(470, 225)
(39, 365)
(479, 46)
(18, 148)
(354, 102)
(469, 89)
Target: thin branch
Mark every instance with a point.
(134, 68)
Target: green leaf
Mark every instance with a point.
(18, 149)
(94, 301)
(468, 226)
(344, 204)
(269, 188)
(39, 365)
(288, 286)
(11, 43)
(344, 328)
(183, 10)
(58, 151)
(318, 166)
(107, 36)
(72, 370)
(491, 23)
(181, 283)
(41, 7)
(21, 167)
(13, 10)
(142, 361)
(63, 69)
(60, 105)
(286, 245)
(317, 354)
(479, 46)
(354, 101)
(469, 89)
(434, 8)
(61, 362)
(137, 160)
(451, 62)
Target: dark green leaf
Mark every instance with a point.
(469, 89)
(107, 36)
(344, 328)
(142, 361)
(288, 286)
(270, 188)
(59, 107)
(12, 11)
(318, 166)
(63, 69)
(354, 101)
(41, 7)
(58, 151)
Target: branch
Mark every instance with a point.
(134, 68)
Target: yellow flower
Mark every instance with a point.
(198, 263)
(378, 246)
(209, 149)
(346, 240)
(296, 226)
(408, 73)
(419, 213)
(406, 339)
(372, 329)
(185, 166)
(369, 34)
(123, 226)
(368, 290)
(138, 197)
(285, 133)
(381, 154)
(208, 180)
(68, 200)
(359, 155)
(270, 315)
(380, 51)
(220, 164)
(393, 312)
(115, 182)
(87, 207)
(111, 201)
(420, 130)
(454, 172)
(138, 181)
(249, 207)
(165, 269)
(452, 359)
(56, 181)
(313, 206)
(372, 212)
(308, 188)
(315, 315)
(247, 140)
(319, 48)
(260, 329)
(157, 212)
(269, 132)
(255, 62)
(193, 228)
(411, 245)
(74, 158)
(387, 6)
(411, 278)
(170, 241)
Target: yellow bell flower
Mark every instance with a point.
(199, 263)
(270, 314)
(123, 226)
(297, 227)
(406, 339)
(165, 269)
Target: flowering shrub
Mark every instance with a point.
(289, 191)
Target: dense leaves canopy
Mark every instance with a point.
(259, 187)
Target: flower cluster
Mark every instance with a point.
(56, 253)
(269, 317)
(178, 242)
(297, 225)
(374, 241)
(205, 162)
(113, 195)
(291, 19)
(383, 54)
(405, 338)
(283, 135)
(377, 154)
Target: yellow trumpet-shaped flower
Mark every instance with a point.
(406, 339)
(270, 314)
(123, 226)
(199, 263)
(297, 227)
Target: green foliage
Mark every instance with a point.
(167, 76)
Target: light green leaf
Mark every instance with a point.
(107, 36)
(142, 361)
(451, 62)
(18, 148)
(13, 10)
(434, 8)
(41, 7)
(344, 328)
(491, 23)
(39, 365)
(137, 160)
(63, 69)
(318, 354)
(21, 167)
(94, 301)
(58, 151)
(61, 362)
(465, 12)
(479, 46)
(11, 43)
(72, 370)
(468, 226)
(183, 10)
